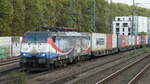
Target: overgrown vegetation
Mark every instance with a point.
(18, 16)
(139, 51)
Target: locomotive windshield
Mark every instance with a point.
(35, 37)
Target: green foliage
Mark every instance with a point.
(19, 16)
(17, 25)
(143, 33)
(6, 12)
(33, 14)
(120, 9)
(139, 51)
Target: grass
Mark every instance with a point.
(139, 51)
(16, 78)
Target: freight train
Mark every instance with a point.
(44, 49)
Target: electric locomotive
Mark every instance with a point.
(43, 49)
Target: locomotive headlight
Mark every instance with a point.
(43, 54)
(24, 54)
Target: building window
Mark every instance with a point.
(117, 29)
(123, 18)
(117, 24)
(125, 24)
(129, 19)
(129, 29)
(118, 19)
(123, 29)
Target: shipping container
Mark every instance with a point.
(123, 43)
(137, 40)
(10, 46)
(130, 40)
(98, 41)
(146, 40)
(149, 40)
(133, 40)
(114, 41)
(109, 41)
(142, 40)
(127, 41)
(119, 41)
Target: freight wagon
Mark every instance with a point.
(99, 42)
(103, 44)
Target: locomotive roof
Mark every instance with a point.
(59, 33)
(58, 29)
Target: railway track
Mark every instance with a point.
(143, 77)
(128, 74)
(133, 81)
(9, 65)
(31, 76)
(91, 77)
(71, 76)
(9, 61)
(68, 77)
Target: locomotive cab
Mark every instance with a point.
(34, 50)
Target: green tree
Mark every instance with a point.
(17, 25)
(6, 12)
(33, 14)
(19, 16)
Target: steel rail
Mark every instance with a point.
(17, 59)
(132, 81)
(104, 80)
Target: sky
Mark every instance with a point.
(141, 3)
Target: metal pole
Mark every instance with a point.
(70, 12)
(111, 17)
(133, 18)
(94, 16)
(148, 28)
